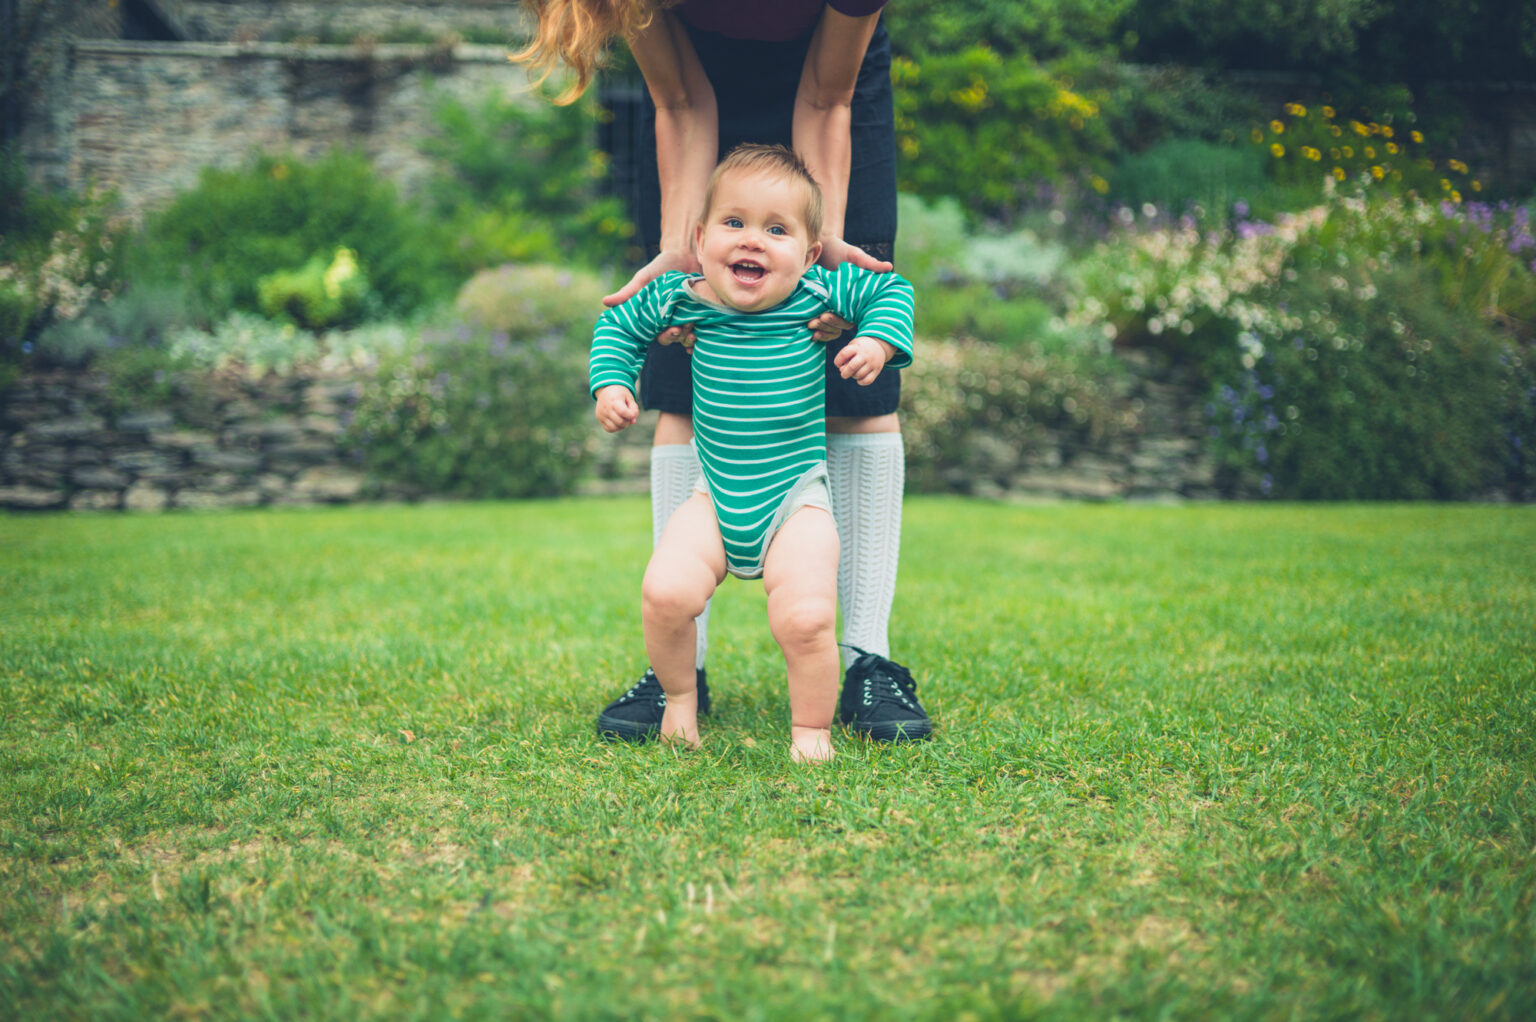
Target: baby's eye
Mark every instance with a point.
(775, 229)
(732, 221)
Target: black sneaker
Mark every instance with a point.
(636, 715)
(880, 700)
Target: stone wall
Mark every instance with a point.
(69, 440)
(143, 118)
(66, 442)
(238, 20)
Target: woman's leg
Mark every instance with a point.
(866, 470)
(674, 474)
(800, 576)
(688, 564)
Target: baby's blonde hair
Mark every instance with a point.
(780, 161)
(576, 33)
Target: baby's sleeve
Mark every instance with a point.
(625, 331)
(880, 305)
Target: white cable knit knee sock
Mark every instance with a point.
(866, 473)
(674, 471)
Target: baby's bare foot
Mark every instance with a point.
(810, 744)
(680, 724)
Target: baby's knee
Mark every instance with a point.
(803, 622)
(670, 597)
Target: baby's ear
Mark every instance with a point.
(698, 238)
(812, 254)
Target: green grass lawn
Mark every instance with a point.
(1208, 761)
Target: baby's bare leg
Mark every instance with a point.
(800, 575)
(688, 564)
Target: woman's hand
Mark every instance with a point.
(835, 251)
(828, 326)
(664, 263)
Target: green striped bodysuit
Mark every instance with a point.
(759, 385)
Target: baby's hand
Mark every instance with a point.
(616, 408)
(863, 358)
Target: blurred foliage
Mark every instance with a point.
(991, 126)
(58, 254)
(1375, 330)
(322, 293)
(520, 181)
(532, 301)
(1044, 29)
(1379, 392)
(275, 213)
(495, 407)
(1182, 174)
(987, 284)
(141, 317)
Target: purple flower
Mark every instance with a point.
(1240, 208)
(1266, 484)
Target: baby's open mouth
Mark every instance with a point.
(748, 272)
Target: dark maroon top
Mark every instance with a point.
(766, 20)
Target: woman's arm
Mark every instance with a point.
(687, 139)
(823, 115)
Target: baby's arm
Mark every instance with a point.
(882, 306)
(618, 348)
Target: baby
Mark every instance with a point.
(762, 508)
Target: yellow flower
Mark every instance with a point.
(1385, 130)
(1477, 186)
(1333, 154)
(1359, 128)
(1277, 150)
(1295, 109)
(279, 171)
(1335, 130)
(1312, 154)
(1417, 136)
(1378, 173)
(1338, 173)
(1445, 184)
(1256, 135)
(1328, 112)
(1370, 152)
(1349, 152)
(1455, 196)
(1392, 148)
(1457, 166)
(1099, 184)
(1278, 127)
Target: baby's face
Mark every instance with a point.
(753, 243)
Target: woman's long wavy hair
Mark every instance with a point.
(577, 33)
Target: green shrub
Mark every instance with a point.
(250, 343)
(1183, 173)
(327, 291)
(143, 316)
(522, 181)
(1381, 392)
(275, 213)
(1044, 28)
(486, 411)
(984, 128)
(532, 301)
(59, 253)
(1372, 346)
